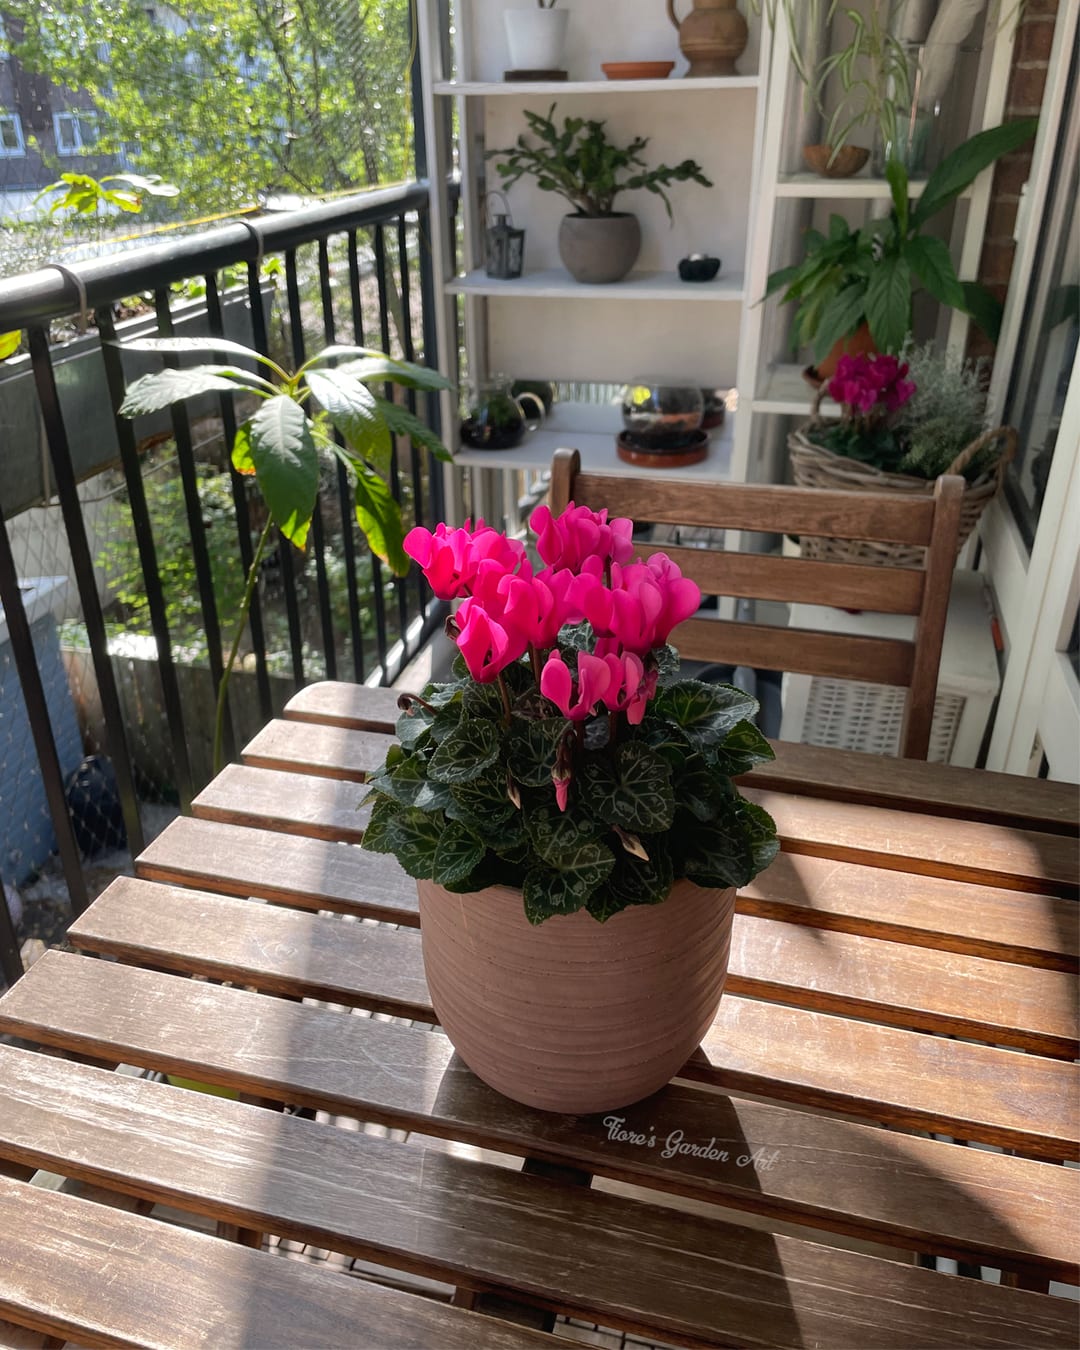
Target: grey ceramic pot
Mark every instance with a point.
(598, 250)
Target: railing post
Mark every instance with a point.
(85, 579)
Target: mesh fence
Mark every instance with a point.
(86, 745)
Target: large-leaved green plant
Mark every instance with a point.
(282, 441)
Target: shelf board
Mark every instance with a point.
(785, 391)
(813, 185)
(557, 284)
(591, 429)
(534, 88)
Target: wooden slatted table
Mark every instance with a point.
(891, 1078)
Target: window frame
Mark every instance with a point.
(17, 151)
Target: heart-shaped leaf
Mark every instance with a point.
(456, 854)
(532, 749)
(760, 830)
(383, 810)
(414, 837)
(705, 713)
(743, 747)
(277, 442)
(465, 753)
(547, 893)
(716, 852)
(634, 882)
(485, 799)
(631, 788)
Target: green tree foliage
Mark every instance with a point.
(231, 98)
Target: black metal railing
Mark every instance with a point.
(353, 271)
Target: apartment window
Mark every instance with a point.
(74, 132)
(12, 144)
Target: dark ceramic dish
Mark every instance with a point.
(698, 269)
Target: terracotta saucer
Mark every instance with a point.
(638, 70)
(692, 453)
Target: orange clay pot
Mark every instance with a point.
(860, 343)
(573, 1015)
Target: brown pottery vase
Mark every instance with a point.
(711, 37)
(573, 1015)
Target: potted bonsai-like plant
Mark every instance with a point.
(596, 243)
(565, 803)
(865, 278)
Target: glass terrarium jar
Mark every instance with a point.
(494, 419)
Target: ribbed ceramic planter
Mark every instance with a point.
(572, 1015)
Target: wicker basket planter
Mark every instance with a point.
(814, 466)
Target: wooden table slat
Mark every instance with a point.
(1037, 930)
(846, 775)
(311, 873)
(634, 1266)
(287, 803)
(821, 1169)
(856, 976)
(210, 1033)
(906, 841)
(327, 751)
(105, 1278)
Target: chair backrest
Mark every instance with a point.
(930, 522)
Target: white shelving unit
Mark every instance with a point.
(546, 326)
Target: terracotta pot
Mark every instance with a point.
(841, 163)
(711, 36)
(599, 250)
(860, 343)
(572, 1015)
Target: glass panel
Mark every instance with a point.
(1051, 328)
(9, 133)
(66, 137)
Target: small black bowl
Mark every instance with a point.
(698, 269)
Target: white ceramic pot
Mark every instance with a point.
(536, 37)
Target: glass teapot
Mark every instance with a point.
(495, 419)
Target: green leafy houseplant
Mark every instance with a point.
(584, 167)
(281, 442)
(569, 761)
(869, 275)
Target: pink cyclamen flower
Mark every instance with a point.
(449, 558)
(487, 646)
(578, 533)
(557, 684)
(630, 688)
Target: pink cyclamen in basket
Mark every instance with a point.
(871, 385)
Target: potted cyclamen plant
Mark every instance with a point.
(536, 36)
(565, 803)
(898, 434)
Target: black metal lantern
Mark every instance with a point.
(504, 251)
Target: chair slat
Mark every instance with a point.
(765, 647)
(756, 576)
(810, 511)
(875, 1072)
(368, 709)
(101, 1277)
(635, 1265)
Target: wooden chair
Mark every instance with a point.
(930, 522)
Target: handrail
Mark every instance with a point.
(39, 296)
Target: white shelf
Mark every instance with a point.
(532, 88)
(785, 391)
(813, 185)
(591, 429)
(557, 284)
